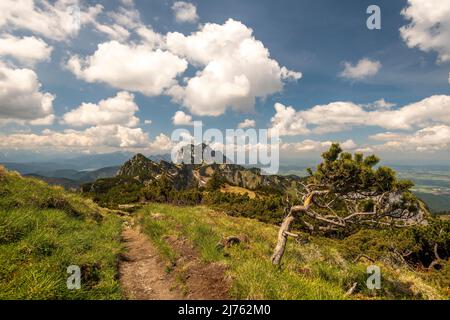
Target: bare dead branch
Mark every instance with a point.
(352, 289)
(363, 256)
(291, 234)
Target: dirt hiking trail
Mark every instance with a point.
(143, 273)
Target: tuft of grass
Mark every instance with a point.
(205, 238)
(157, 231)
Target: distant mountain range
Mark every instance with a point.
(72, 173)
(72, 179)
(32, 162)
(186, 175)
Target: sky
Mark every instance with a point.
(103, 76)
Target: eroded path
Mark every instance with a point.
(142, 272)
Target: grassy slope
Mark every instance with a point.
(238, 190)
(313, 270)
(43, 230)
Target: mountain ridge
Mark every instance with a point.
(185, 176)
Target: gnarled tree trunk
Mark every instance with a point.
(282, 239)
(285, 227)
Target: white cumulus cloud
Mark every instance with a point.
(118, 24)
(182, 119)
(363, 69)
(288, 122)
(185, 11)
(57, 20)
(26, 50)
(429, 26)
(130, 67)
(247, 123)
(111, 136)
(380, 104)
(315, 146)
(340, 116)
(161, 144)
(429, 139)
(149, 36)
(237, 69)
(21, 99)
(113, 31)
(387, 136)
(119, 110)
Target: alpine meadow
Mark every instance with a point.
(247, 152)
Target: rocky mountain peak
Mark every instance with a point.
(139, 166)
(199, 154)
(139, 157)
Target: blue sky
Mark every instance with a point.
(319, 39)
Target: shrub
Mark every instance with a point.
(215, 182)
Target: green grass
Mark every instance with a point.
(253, 275)
(44, 230)
(19, 192)
(314, 270)
(156, 232)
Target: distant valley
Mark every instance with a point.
(72, 173)
(432, 183)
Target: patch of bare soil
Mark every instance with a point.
(142, 272)
(203, 281)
